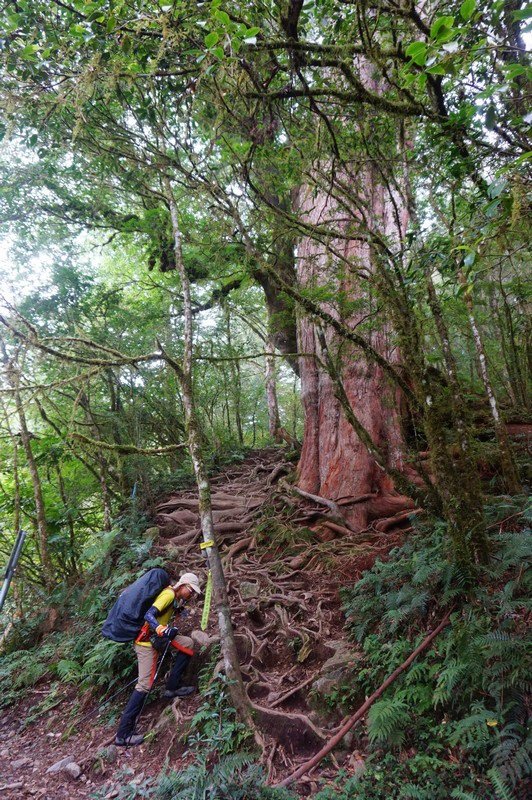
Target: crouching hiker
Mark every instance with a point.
(151, 604)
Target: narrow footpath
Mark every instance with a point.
(284, 573)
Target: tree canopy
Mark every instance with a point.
(230, 225)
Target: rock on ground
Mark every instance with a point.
(59, 765)
(72, 769)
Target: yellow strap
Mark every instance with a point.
(204, 545)
(207, 603)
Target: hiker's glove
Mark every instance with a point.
(166, 631)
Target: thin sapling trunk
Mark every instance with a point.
(184, 374)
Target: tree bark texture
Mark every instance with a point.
(184, 373)
(334, 462)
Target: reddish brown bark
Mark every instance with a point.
(334, 462)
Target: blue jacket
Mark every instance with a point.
(127, 615)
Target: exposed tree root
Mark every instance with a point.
(390, 522)
(184, 538)
(351, 501)
(237, 547)
(287, 695)
(333, 526)
(337, 517)
(295, 732)
(280, 469)
(331, 744)
(269, 762)
(232, 505)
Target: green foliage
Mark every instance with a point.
(68, 670)
(214, 727)
(414, 777)
(17, 671)
(387, 720)
(512, 756)
(222, 768)
(233, 777)
(468, 693)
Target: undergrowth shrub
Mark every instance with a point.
(20, 669)
(464, 702)
(419, 777)
(224, 766)
(76, 653)
(234, 777)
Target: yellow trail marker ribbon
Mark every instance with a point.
(204, 545)
(207, 603)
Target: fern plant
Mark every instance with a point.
(469, 694)
(234, 777)
(387, 720)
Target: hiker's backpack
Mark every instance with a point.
(127, 615)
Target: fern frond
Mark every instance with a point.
(68, 670)
(447, 681)
(474, 729)
(512, 756)
(411, 791)
(460, 794)
(502, 790)
(387, 719)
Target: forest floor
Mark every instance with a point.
(284, 574)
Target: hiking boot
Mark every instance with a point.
(129, 741)
(125, 734)
(183, 691)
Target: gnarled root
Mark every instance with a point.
(295, 732)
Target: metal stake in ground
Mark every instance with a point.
(11, 566)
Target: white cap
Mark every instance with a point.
(188, 579)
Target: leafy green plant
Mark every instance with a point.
(466, 695)
(234, 777)
(417, 777)
(214, 727)
(387, 720)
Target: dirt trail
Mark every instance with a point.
(287, 616)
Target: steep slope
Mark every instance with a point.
(283, 582)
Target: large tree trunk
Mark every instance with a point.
(334, 462)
